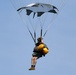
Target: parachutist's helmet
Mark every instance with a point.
(39, 39)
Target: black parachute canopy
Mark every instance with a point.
(39, 8)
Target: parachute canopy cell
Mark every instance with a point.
(39, 8)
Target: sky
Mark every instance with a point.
(16, 44)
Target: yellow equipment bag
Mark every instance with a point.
(45, 50)
(41, 46)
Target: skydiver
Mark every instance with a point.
(37, 53)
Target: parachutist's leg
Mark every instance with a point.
(33, 63)
(34, 60)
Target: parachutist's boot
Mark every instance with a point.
(32, 67)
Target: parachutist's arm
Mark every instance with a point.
(46, 46)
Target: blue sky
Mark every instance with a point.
(16, 44)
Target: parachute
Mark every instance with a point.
(39, 8)
(37, 15)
